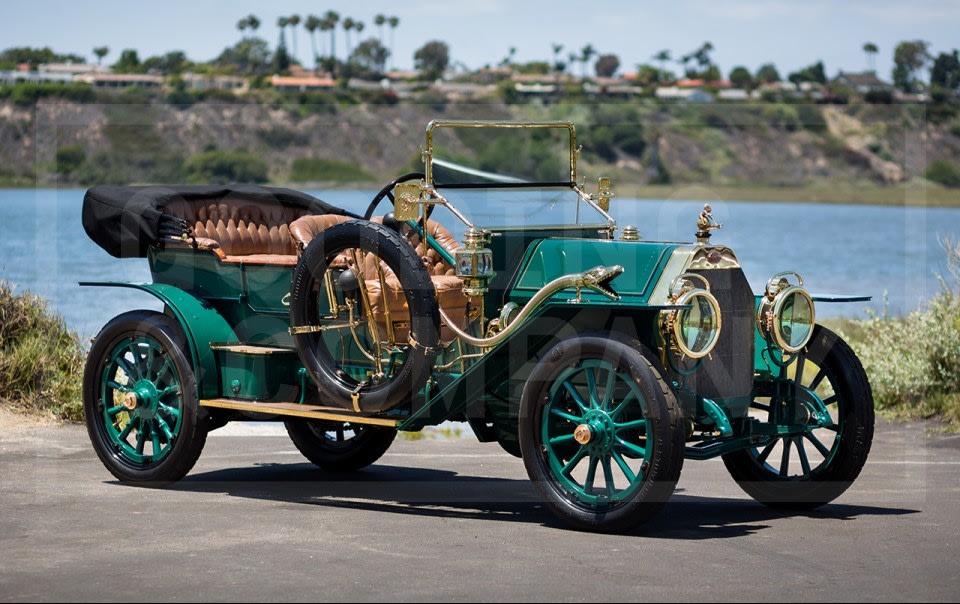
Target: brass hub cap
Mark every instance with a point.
(582, 434)
(130, 400)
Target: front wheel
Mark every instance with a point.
(140, 400)
(338, 446)
(811, 462)
(601, 434)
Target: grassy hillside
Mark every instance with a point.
(762, 150)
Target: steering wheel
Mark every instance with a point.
(387, 192)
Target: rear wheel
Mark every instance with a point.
(140, 400)
(812, 462)
(338, 446)
(601, 434)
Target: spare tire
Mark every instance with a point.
(406, 378)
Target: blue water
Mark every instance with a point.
(837, 249)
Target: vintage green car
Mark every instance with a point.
(494, 289)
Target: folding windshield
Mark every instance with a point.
(485, 154)
(523, 208)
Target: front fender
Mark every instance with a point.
(201, 325)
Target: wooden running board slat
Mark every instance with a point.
(295, 410)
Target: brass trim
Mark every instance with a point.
(242, 348)
(434, 124)
(582, 434)
(306, 411)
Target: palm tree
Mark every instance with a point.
(392, 22)
(379, 21)
(662, 57)
(347, 25)
(293, 21)
(557, 49)
(587, 53)
(100, 52)
(311, 25)
(330, 19)
(871, 49)
(282, 23)
(253, 23)
(243, 24)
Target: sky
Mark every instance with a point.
(790, 33)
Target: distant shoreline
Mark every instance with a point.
(910, 195)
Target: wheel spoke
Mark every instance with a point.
(340, 435)
(132, 423)
(608, 476)
(623, 405)
(113, 411)
(762, 458)
(798, 376)
(118, 386)
(165, 428)
(573, 462)
(149, 360)
(140, 438)
(156, 443)
(560, 440)
(171, 411)
(760, 406)
(630, 447)
(611, 386)
(817, 379)
(168, 391)
(127, 368)
(137, 359)
(567, 416)
(575, 395)
(785, 458)
(831, 400)
(591, 474)
(592, 387)
(819, 445)
(166, 368)
(802, 453)
(624, 467)
(637, 423)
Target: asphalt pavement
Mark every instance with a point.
(453, 519)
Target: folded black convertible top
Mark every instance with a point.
(125, 220)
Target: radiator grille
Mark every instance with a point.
(728, 371)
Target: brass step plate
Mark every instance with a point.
(306, 411)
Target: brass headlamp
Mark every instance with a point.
(786, 314)
(694, 330)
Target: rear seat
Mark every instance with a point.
(240, 230)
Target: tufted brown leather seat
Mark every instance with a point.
(240, 230)
(449, 287)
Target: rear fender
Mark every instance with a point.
(201, 325)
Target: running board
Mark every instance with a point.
(295, 410)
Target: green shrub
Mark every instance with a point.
(28, 93)
(225, 167)
(69, 158)
(41, 361)
(917, 375)
(944, 173)
(318, 169)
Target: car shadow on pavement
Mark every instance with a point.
(447, 494)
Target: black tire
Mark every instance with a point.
(853, 415)
(329, 446)
(663, 435)
(183, 449)
(334, 385)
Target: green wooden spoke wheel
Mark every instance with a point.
(601, 434)
(140, 400)
(824, 413)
